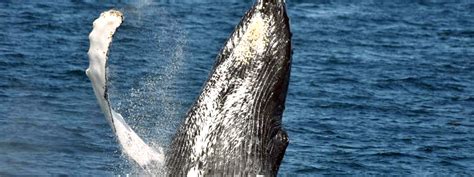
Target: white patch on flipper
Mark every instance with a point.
(100, 38)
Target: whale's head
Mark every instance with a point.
(262, 35)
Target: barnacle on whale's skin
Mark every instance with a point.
(254, 41)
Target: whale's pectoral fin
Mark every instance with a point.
(100, 38)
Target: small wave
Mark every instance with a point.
(345, 80)
(305, 169)
(431, 148)
(75, 72)
(22, 146)
(392, 154)
(417, 82)
(457, 33)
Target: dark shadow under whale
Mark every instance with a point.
(235, 126)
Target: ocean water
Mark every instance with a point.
(377, 88)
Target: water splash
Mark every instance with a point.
(148, 102)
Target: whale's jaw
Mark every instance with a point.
(235, 127)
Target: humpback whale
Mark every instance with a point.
(235, 125)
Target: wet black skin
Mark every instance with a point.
(247, 138)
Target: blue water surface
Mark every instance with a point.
(377, 87)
